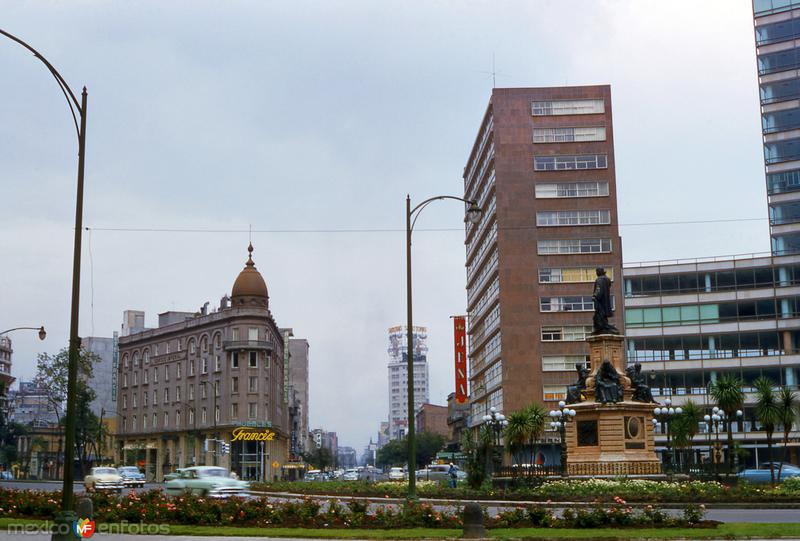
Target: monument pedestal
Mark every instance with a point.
(612, 438)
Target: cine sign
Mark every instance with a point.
(244, 433)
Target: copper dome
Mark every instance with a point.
(249, 283)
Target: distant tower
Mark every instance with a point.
(398, 376)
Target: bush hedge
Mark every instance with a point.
(577, 490)
(154, 507)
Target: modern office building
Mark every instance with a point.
(203, 378)
(104, 385)
(689, 322)
(542, 169)
(398, 376)
(777, 29)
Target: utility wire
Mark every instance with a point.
(385, 230)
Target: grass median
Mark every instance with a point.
(743, 530)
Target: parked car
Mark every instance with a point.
(397, 474)
(313, 475)
(103, 479)
(6, 476)
(439, 472)
(131, 476)
(208, 481)
(762, 474)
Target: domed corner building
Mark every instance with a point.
(202, 383)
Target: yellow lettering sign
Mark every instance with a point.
(244, 433)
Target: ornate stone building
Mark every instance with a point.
(202, 380)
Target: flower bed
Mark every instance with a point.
(584, 490)
(154, 507)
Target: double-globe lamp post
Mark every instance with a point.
(663, 416)
(496, 422)
(473, 215)
(77, 108)
(715, 422)
(560, 418)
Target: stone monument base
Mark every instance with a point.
(613, 438)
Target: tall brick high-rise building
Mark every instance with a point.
(542, 169)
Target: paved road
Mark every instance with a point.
(56, 485)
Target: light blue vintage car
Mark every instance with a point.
(762, 474)
(206, 481)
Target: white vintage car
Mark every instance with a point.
(103, 478)
(207, 481)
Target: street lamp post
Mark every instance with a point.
(715, 421)
(42, 333)
(663, 415)
(560, 418)
(496, 423)
(473, 216)
(77, 109)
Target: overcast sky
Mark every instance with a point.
(323, 115)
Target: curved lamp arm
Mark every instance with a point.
(418, 209)
(72, 101)
(42, 332)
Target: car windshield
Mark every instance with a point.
(104, 471)
(129, 469)
(213, 472)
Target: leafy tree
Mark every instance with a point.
(479, 455)
(395, 453)
(727, 393)
(9, 434)
(789, 408)
(321, 458)
(52, 372)
(768, 413)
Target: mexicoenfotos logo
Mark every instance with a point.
(83, 528)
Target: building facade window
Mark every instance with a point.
(178, 370)
(570, 162)
(203, 415)
(555, 190)
(253, 360)
(564, 275)
(576, 303)
(561, 363)
(554, 393)
(786, 181)
(204, 366)
(235, 359)
(565, 333)
(252, 334)
(252, 410)
(573, 217)
(234, 384)
(573, 246)
(568, 135)
(217, 363)
(567, 107)
(234, 411)
(252, 384)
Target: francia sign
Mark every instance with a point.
(244, 433)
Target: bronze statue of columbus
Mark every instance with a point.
(602, 304)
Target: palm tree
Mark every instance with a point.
(727, 393)
(537, 418)
(789, 407)
(516, 434)
(685, 426)
(525, 427)
(768, 412)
